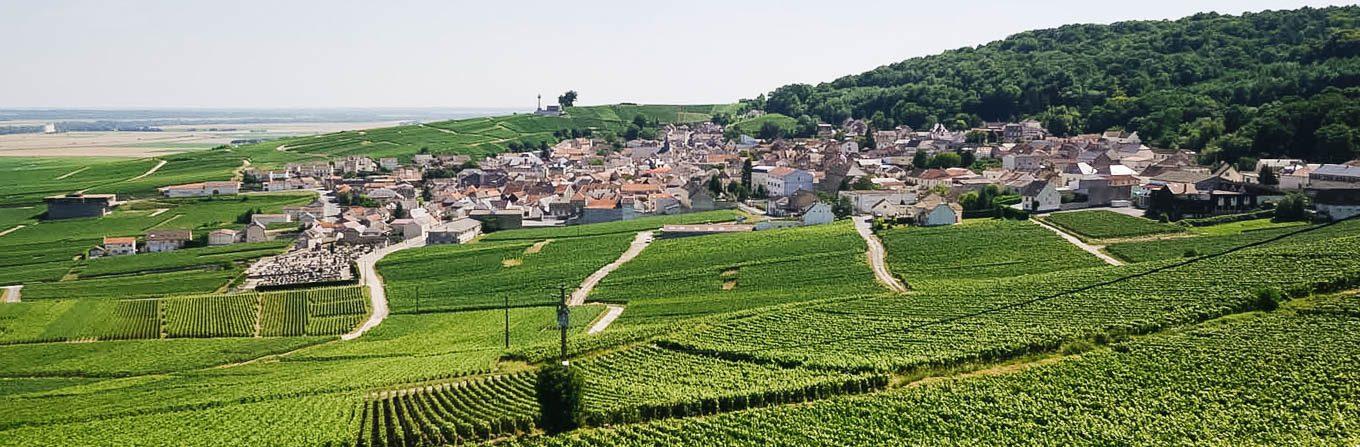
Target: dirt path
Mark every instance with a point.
(368, 275)
(68, 174)
(609, 316)
(153, 170)
(240, 173)
(11, 230)
(877, 255)
(12, 293)
(158, 212)
(1092, 249)
(537, 247)
(578, 297)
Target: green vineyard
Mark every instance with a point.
(451, 413)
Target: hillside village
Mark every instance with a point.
(919, 177)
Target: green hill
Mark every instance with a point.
(1275, 83)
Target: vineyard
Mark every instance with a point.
(994, 320)
(1223, 384)
(1217, 241)
(484, 275)
(451, 413)
(1103, 224)
(326, 311)
(695, 276)
(972, 251)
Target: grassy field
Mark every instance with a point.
(1103, 224)
(751, 127)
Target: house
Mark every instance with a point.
(935, 211)
(1336, 204)
(120, 246)
(409, 228)
(158, 241)
(223, 236)
(784, 181)
(203, 189)
(255, 232)
(817, 214)
(460, 231)
(865, 201)
(77, 205)
(1040, 196)
(1335, 173)
(388, 163)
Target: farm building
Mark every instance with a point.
(201, 189)
(158, 241)
(76, 205)
(456, 232)
(116, 246)
(223, 237)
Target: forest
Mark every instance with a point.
(1234, 88)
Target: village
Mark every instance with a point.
(892, 176)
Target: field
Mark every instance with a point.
(688, 277)
(751, 127)
(1103, 224)
(622, 226)
(330, 311)
(1223, 384)
(1217, 238)
(978, 250)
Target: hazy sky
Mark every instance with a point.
(284, 53)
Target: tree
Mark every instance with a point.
(920, 160)
(1267, 176)
(946, 160)
(640, 120)
(746, 173)
(761, 192)
(770, 131)
(1291, 208)
(715, 185)
(869, 142)
(967, 158)
(842, 207)
(560, 391)
(567, 99)
(864, 183)
(1335, 142)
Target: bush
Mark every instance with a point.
(560, 389)
(1267, 300)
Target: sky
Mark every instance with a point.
(482, 54)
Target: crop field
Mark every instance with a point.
(995, 320)
(1223, 382)
(26, 181)
(1103, 224)
(484, 275)
(694, 276)
(978, 250)
(1215, 239)
(751, 127)
(327, 311)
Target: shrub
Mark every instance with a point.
(560, 389)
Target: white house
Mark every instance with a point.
(158, 241)
(201, 189)
(784, 181)
(817, 214)
(456, 232)
(223, 236)
(1040, 196)
(935, 211)
(120, 246)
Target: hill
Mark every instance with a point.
(1275, 83)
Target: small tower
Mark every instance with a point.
(540, 102)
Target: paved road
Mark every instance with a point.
(1092, 249)
(609, 316)
(753, 211)
(11, 293)
(877, 255)
(578, 297)
(368, 275)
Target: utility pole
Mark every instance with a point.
(417, 299)
(563, 319)
(507, 321)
